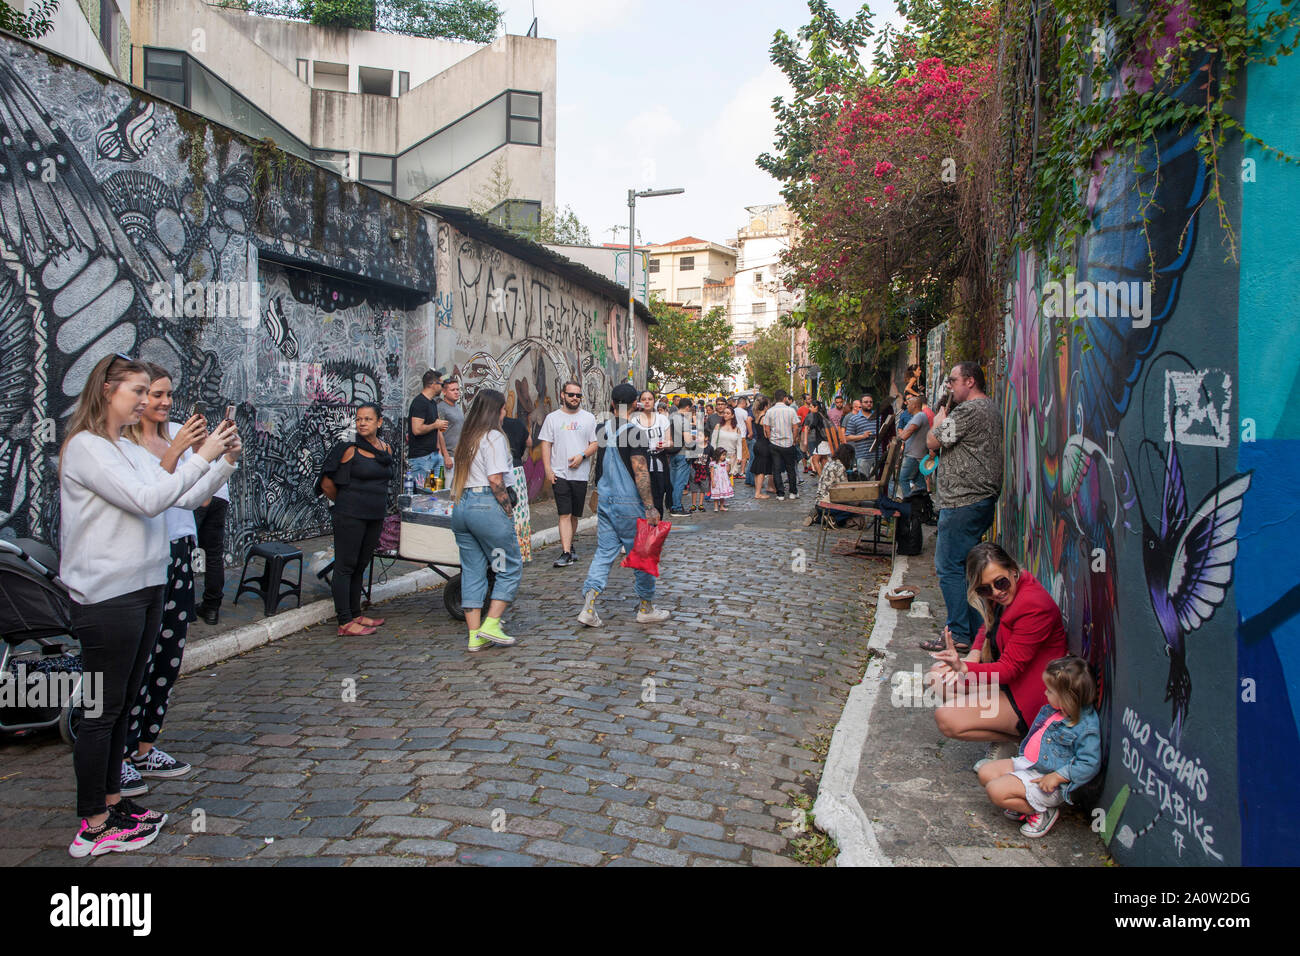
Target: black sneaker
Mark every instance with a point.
(678, 513)
(566, 558)
(133, 811)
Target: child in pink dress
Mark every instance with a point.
(722, 489)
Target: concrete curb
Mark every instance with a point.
(837, 811)
(244, 639)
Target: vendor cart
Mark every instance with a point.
(427, 538)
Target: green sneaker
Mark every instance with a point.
(491, 630)
(477, 643)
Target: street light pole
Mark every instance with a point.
(632, 196)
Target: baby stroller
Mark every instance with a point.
(40, 675)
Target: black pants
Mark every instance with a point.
(661, 491)
(212, 539)
(354, 545)
(786, 459)
(116, 637)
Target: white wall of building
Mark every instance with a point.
(75, 37)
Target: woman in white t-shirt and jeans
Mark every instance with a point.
(483, 520)
(113, 558)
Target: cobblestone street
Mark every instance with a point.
(625, 745)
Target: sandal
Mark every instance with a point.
(938, 644)
(346, 630)
(370, 621)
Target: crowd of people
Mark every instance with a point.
(138, 490)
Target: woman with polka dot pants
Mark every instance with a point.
(145, 716)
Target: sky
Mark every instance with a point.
(666, 93)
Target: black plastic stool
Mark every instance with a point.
(269, 585)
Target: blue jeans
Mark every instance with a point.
(960, 529)
(422, 468)
(485, 536)
(909, 477)
(616, 518)
(679, 472)
(749, 466)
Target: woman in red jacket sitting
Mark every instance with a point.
(998, 688)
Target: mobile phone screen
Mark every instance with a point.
(197, 409)
(230, 413)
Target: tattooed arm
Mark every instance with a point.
(642, 475)
(498, 485)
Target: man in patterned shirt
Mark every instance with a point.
(969, 440)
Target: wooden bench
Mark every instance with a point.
(874, 518)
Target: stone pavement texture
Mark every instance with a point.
(554, 751)
(917, 787)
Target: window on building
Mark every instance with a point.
(165, 75)
(331, 159)
(686, 264)
(304, 70)
(516, 213)
(375, 81)
(525, 119)
(759, 308)
(330, 76)
(758, 276)
(378, 171)
(654, 265)
(108, 20)
(403, 82)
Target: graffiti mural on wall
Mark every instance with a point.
(102, 212)
(507, 325)
(89, 222)
(1121, 497)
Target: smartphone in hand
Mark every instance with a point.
(230, 414)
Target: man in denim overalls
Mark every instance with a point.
(623, 497)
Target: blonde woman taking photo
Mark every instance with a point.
(113, 558)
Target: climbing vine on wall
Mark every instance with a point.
(1082, 85)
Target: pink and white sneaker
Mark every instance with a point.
(117, 834)
(1037, 824)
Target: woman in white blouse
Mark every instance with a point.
(113, 558)
(483, 520)
(727, 434)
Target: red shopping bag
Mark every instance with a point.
(647, 547)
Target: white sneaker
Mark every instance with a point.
(647, 614)
(780, 497)
(589, 615)
(997, 751)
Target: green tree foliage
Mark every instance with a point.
(768, 360)
(33, 24)
(473, 20)
(689, 351)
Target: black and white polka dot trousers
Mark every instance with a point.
(165, 662)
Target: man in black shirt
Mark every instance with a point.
(423, 425)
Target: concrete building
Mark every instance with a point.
(94, 32)
(680, 270)
(417, 118)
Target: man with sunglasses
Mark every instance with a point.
(568, 440)
(968, 436)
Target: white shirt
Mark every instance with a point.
(569, 435)
(180, 521)
(492, 458)
(742, 422)
(112, 533)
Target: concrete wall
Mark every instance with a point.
(505, 324)
(75, 35)
(1150, 476)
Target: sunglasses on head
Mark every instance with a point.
(1002, 584)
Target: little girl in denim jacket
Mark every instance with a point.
(1061, 752)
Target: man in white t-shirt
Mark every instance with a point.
(782, 424)
(568, 440)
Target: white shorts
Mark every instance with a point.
(823, 449)
(1038, 798)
